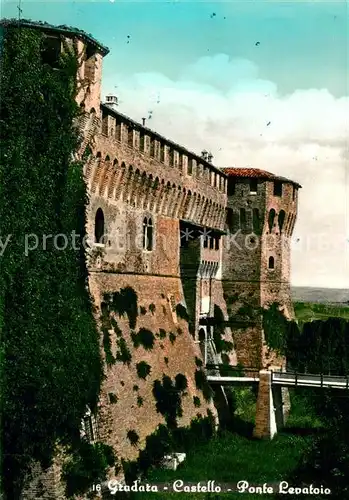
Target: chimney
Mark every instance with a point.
(204, 154)
(111, 101)
(209, 157)
(143, 122)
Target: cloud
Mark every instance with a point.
(222, 105)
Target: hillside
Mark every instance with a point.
(320, 295)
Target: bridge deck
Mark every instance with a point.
(217, 380)
(285, 379)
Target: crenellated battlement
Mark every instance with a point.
(133, 164)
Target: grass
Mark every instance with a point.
(308, 311)
(231, 457)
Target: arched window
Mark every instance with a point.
(243, 220)
(256, 221)
(271, 219)
(147, 234)
(99, 226)
(282, 216)
(271, 264)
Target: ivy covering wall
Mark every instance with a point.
(50, 361)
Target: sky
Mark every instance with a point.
(213, 74)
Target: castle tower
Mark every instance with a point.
(261, 214)
(89, 51)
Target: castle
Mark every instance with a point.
(197, 250)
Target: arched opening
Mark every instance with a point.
(147, 234)
(243, 220)
(282, 216)
(255, 221)
(271, 219)
(99, 226)
(271, 264)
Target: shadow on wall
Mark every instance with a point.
(189, 266)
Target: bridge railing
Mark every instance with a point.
(318, 380)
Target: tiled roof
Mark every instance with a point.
(257, 174)
(49, 28)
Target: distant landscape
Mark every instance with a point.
(338, 296)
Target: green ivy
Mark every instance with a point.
(109, 358)
(124, 353)
(165, 440)
(168, 400)
(50, 355)
(162, 334)
(182, 312)
(143, 369)
(275, 327)
(181, 382)
(87, 465)
(203, 385)
(126, 302)
(115, 327)
(133, 437)
(112, 398)
(144, 337)
(221, 344)
(196, 401)
(198, 361)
